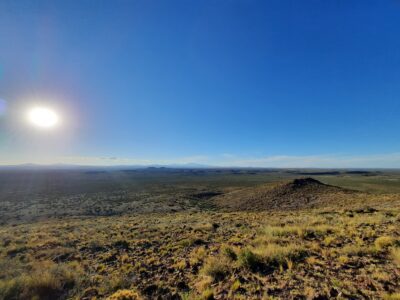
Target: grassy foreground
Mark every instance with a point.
(205, 255)
(199, 234)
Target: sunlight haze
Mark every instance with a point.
(155, 82)
(199, 150)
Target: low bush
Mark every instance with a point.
(216, 267)
(229, 253)
(249, 260)
(274, 255)
(197, 255)
(45, 282)
(271, 256)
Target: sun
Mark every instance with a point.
(43, 117)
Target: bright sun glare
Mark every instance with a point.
(43, 117)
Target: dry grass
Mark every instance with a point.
(46, 281)
(395, 254)
(356, 250)
(275, 255)
(124, 295)
(384, 242)
(197, 255)
(216, 267)
(166, 255)
(395, 296)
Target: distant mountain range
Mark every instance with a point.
(31, 166)
(295, 171)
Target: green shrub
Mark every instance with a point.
(249, 260)
(229, 253)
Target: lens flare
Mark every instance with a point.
(3, 107)
(43, 117)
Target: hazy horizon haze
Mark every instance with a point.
(237, 83)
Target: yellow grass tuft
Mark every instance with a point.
(124, 295)
(395, 253)
(384, 242)
(216, 267)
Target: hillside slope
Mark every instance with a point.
(297, 194)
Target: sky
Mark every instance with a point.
(269, 83)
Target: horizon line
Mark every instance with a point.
(182, 166)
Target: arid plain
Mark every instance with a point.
(163, 233)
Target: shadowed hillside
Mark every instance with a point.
(297, 194)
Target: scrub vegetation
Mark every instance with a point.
(196, 244)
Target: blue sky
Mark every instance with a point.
(258, 83)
